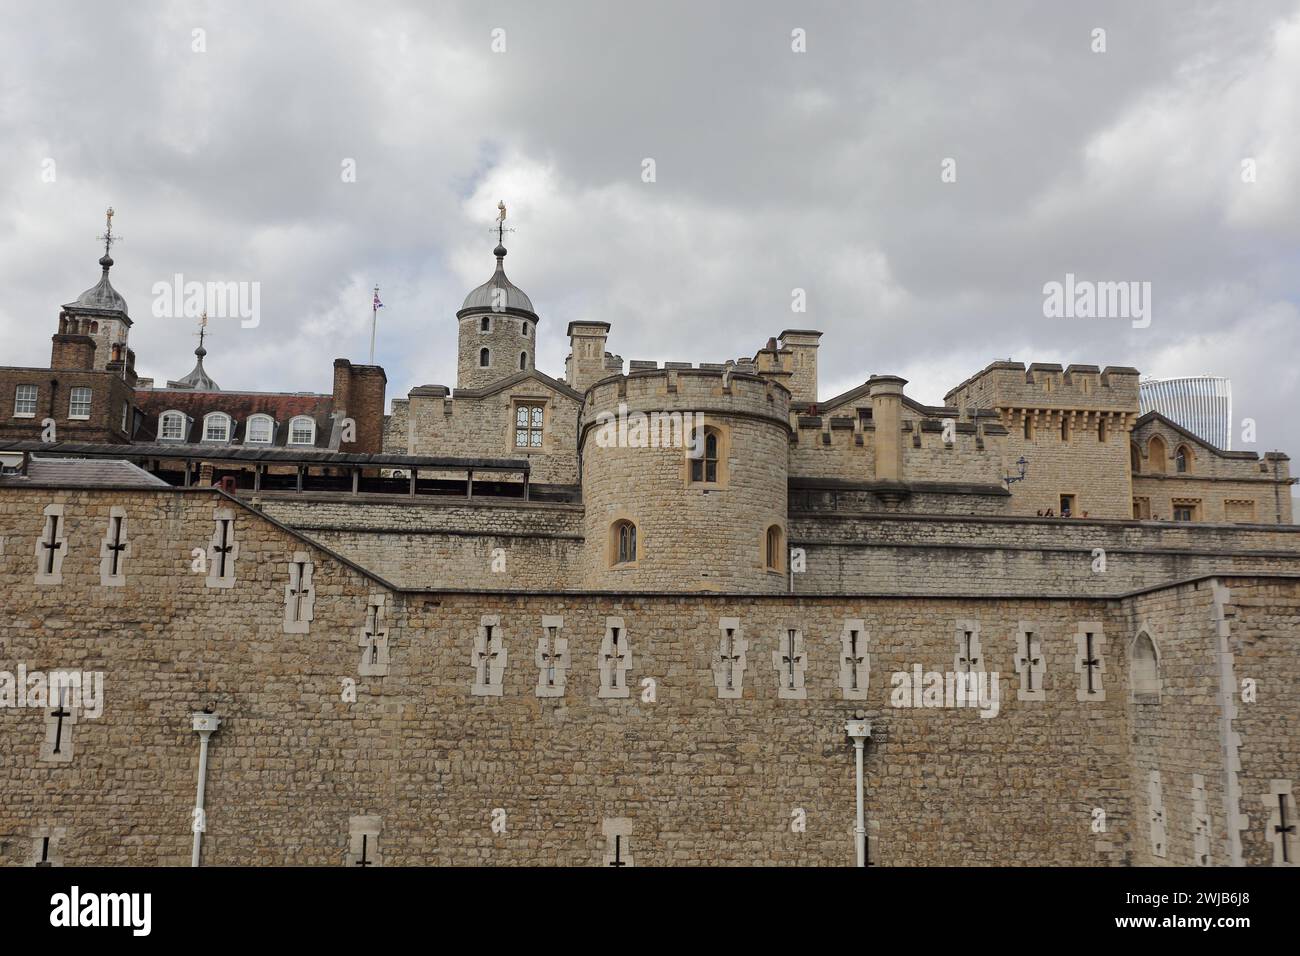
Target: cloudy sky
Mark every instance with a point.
(774, 170)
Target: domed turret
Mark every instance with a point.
(498, 330)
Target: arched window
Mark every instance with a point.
(773, 549)
(216, 426)
(523, 328)
(1134, 458)
(1157, 454)
(622, 542)
(302, 431)
(523, 361)
(485, 325)
(259, 430)
(1183, 460)
(704, 468)
(1144, 669)
(483, 357)
(171, 426)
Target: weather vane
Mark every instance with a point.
(108, 238)
(203, 327)
(501, 222)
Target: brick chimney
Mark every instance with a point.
(360, 392)
(73, 348)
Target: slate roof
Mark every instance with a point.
(83, 473)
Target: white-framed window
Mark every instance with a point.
(79, 402)
(216, 426)
(259, 431)
(302, 431)
(25, 401)
(171, 426)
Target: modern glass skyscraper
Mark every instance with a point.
(1200, 403)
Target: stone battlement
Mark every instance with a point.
(704, 389)
(1048, 385)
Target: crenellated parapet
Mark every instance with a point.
(684, 479)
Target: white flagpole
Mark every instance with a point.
(374, 315)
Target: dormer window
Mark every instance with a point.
(216, 427)
(171, 427)
(302, 431)
(260, 429)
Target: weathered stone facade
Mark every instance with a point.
(624, 617)
(761, 777)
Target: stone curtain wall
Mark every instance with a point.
(168, 645)
(435, 543)
(881, 554)
(701, 779)
(1264, 629)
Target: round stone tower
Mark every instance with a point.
(498, 331)
(684, 481)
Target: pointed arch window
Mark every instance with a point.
(774, 549)
(704, 468)
(1183, 460)
(1144, 669)
(1157, 453)
(622, 542)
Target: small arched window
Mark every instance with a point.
(1183, 460)
(1134, 459)
(216, 427)
(1144, 669)
(171, 426)
(523, 329)
(623, 542)
(704, 458)
(259, 430)
(483, 357)
(523, 361)
(485, 324)
(302, 431)
(1157, 454)
(773, 549)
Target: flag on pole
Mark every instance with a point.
(377, 304)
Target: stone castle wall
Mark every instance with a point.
(434, 543)
(884, 554)
(694, 777)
